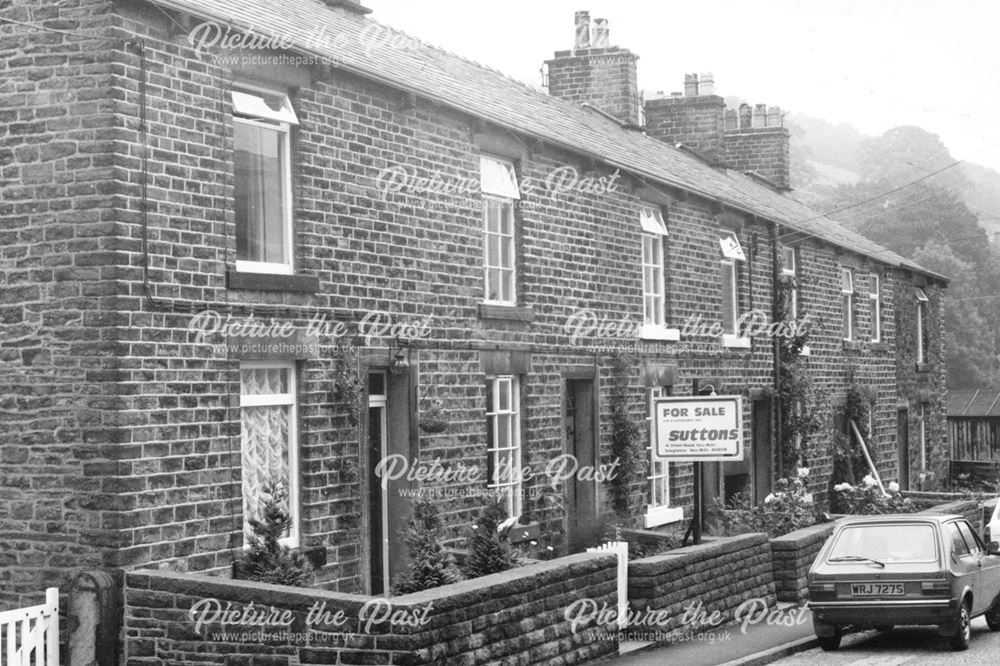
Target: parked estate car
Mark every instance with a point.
(992, 531)
(875, 572)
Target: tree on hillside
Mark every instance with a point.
(907, 220)
(970, 341)
(904, 154)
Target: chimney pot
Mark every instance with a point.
(582, 20)
(601, 36)
(706, 85)
(774, 116)
(690, 85)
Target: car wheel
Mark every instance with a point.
(993, 617)
(831, 643)
(960, 641)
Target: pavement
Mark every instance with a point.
(749, 643)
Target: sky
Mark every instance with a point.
(874, 64)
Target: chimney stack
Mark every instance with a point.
(756, 140)
(596, 73)
(751, 138)
(695, 119)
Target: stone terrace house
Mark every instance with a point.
(245, 240)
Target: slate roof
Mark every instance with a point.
(358, 45)
(977, 403)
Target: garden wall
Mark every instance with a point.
(721, 574)
(517, 616)
(791, 556)
(971, 510)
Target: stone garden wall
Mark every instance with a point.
(517, 616)
(719, 574)
(791, 556)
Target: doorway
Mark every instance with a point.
(763, 449)
(388, 434)
(903, 447)
(579, 428)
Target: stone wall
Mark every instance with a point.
(518, 616)
(971, 510)
(720, 574)
(791, 556)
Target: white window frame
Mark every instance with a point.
(513, 483)
(847, 303)
(289, 399)
(790, 269)
(281, 120)
(659, 478)
(875, 301)
(501, 194)
(654, 231)
(732, 253)
(922, 301)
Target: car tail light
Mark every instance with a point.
(822, 591)
(935, 588)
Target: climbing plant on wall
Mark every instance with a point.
(626, 436)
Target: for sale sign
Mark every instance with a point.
(703, 429)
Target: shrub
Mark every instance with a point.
(866, 498)
(489, 550)
(430, 564)
(267, 560)
(785, 510)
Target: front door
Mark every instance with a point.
(389, 499)
(581, 489)
(903, 447)
(378, 495)
(763, 456)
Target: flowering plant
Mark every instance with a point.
(785, 510)
(866, 498)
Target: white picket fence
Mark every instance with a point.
(30, 636)
(619, 548)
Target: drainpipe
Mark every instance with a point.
(776, 350)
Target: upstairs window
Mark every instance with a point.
(732, 255)
(790, 271)
(875, 307)
(847, 302)
(654, 230)
(921, 326)
(263, 185)
(500, 192)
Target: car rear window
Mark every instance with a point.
(886, 543)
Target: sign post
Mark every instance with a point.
(698, 429)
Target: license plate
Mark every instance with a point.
(876, 589)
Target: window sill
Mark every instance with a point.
(662, 515)
(521, 313)
(735, 341)
(306, 284)
(923, 367)
(851, 345)
(655, 332)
